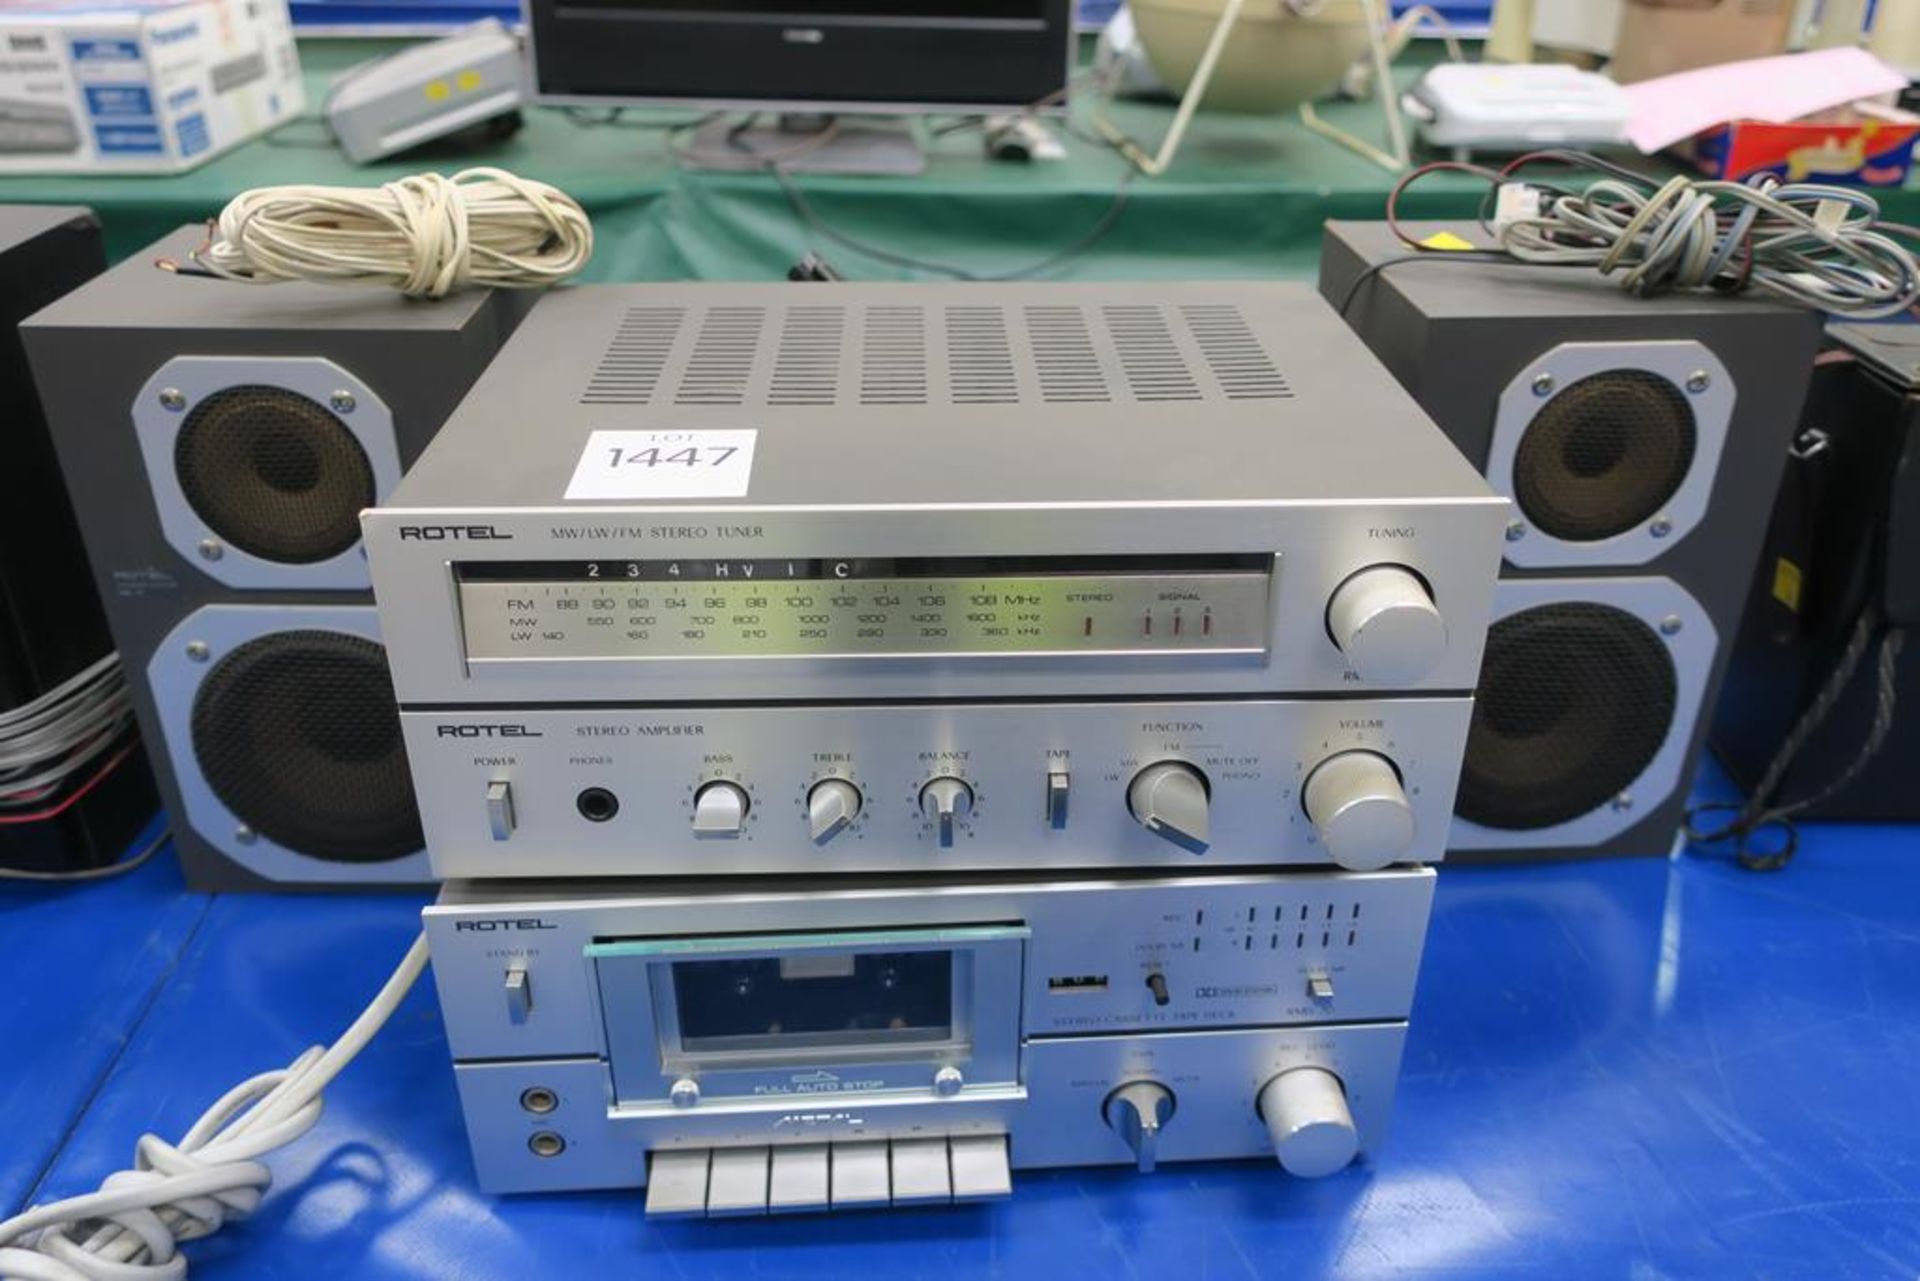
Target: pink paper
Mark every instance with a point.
(1674, 108)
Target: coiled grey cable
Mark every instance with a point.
(132, 1228)
(426, 235)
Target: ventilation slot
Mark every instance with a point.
(979, 357)
(893, 363)
(722, 361)
(1151, 360)
(806, 370)
(1234, 355)
(1063, 353)
(630, 371)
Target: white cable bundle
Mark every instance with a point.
(45, 743)
(425, 235)
(131, 1229)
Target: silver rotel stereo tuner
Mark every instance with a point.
(760, 1048)
(752, 579)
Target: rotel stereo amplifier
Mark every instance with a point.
(760, 1048)
(749, 579)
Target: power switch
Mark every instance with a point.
(519, 994)
(500, 809)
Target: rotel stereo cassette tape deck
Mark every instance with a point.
(755, 580)
(762, 1048)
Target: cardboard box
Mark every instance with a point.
(141, 86)
(1853, 150)
(1660, 37)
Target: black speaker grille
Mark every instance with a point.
(297, 734)
(274, 474)
(1604, 455)
(1575, 700)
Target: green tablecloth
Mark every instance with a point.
(1245, 199)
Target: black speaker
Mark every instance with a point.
(51, 624)
(1841, 571)
(220, 441)
(1641, 442)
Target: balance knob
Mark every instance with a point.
(1360, 811)
(1137, 1112)
(832, 805)
(1385, 622)
(1307, 1120)
(946, 801)
(720, 810)
(1170, 800)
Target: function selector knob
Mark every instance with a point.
(946, 801)
(1360, 810)
(1306, 1115)
(1385, 622)
(1170, 800)
(720, 811)
(1137, 1112)
(832, 805)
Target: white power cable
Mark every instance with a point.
(132, 1228)
(425, 235)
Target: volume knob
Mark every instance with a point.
(1360, 811)
(1137, 1112)
(1170, 800)
(946, 801)
(1385, 622)
(1307, 1120)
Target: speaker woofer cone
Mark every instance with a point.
(298, 736)
(1605, 455)
(1575, 701)
(275, 474)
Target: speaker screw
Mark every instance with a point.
(342, 402)
(1515, 531)
(173, 399)
(211, 549)
(1698, 381)
(1543, 385)
(198, 651)
(245, 835)
(1623, 802)
(1660, 528)
(1670, 625)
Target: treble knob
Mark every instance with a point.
(1137, 1112)
(1307, 1120)
(832, 805)
(946, 801)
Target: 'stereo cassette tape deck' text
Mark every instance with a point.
(902, 1041)
(750, 580)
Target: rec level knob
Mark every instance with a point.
(1170, 800)
(1137, 1112)
(946, 801)
(1306, 1115)
(1360, 810)
(1385, 622)
(832, 805)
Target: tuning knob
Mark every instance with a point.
(832, 805)
(1360, 810)
(1305, 1111)
(1385, 622)
(1170, 800)
(946, 801)
(1137, 1112)
(720, 810)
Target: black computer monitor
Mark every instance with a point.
(802, 55)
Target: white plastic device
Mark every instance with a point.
(1479, 106)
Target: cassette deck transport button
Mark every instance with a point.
(798, 1180)
(677, 1183)
(860, 1174)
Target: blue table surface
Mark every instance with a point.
(1628, 1069)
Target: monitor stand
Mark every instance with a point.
(807, 144)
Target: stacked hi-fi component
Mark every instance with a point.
(879, 738)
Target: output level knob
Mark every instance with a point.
(1170, 800)
(1360, 810)
(720, 810)
(1137, 1112)
(1312, 1132)
(946, 801)
(1385, 622)
(832, 805)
